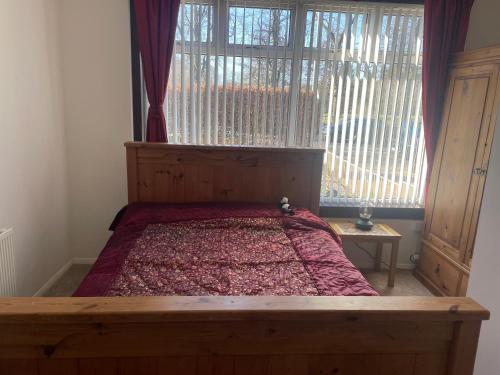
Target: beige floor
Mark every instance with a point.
(406, 284)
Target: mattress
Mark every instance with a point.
(221, 249)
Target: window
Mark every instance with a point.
(344, 76)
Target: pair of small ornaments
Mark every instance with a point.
(285, 206)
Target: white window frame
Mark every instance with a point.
(295, 51)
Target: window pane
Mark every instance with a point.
(194, 22)
(345, 76)
(361, 83)
(258, 26)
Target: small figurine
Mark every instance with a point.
(285, 207)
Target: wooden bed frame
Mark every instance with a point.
(159, 172)
(236, 335)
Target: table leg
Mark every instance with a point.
(378, 257)
(394, 262)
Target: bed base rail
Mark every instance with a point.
(239, 335)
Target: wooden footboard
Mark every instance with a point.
(239, 335)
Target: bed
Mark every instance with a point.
(221, 249)
(266, 333)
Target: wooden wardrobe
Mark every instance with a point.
(459, 171)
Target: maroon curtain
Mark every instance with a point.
(156, 24)
(445, 29)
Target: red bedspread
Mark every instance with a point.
(206, 249)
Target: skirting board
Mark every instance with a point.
(53, 279)
(84, 260)
(399, 266)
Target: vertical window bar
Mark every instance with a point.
(356, 61)
(305, 117)
(379, 125)
(336, 160)
(342, 178)
(216, 31)
(223, 36)
(271, 95)
(192, 105)
(375, 42)
(398, 93)
(208, 81)
(174, 94)
(322, 94)
(242, 67)
(183, 84)
(405, 50)
(416, 112)
(363, 61)
(297, 40)
(411, 158)
(256, 112)
(282, 134)
(327, 78)
(233, 81)
(264, 109)
(249, 103)
(199, 139)
(315, 124)
(380, 177)
(409, 105)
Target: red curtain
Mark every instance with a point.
(156, 24)
(445, 29)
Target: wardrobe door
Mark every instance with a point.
(458, 165)
(494, 119)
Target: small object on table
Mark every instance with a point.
(365, 214)
(379, 234)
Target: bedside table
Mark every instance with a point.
(379, 234)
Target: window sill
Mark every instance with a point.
(378, 212)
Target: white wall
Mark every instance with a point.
(98, 112)
(485, 276)
(33, 183)
(484, 28)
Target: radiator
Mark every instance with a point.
(7, 264)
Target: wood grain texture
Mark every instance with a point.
(459, 171)
(441, 272)
(18, 367)
(33, 310)
(379, 234)
(132, 173)
(457, 162)
(348, 230)
(431, 364)
(96, 366)
(182, 174)
(237, 335)
(480, 56)
(463, 348)
(112, 340)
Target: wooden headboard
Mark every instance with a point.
(159, 172)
